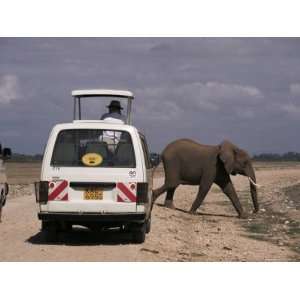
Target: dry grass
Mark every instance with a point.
(29, 172)
(23, 173)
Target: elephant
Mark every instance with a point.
(190, 163)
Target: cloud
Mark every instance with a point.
(222, 90)
(156, 110)
(247, 113)
(291, 109)
(161, 48)
(295, 89)
(167, 103)
(8, 88)
(206, 88)
(215, 94)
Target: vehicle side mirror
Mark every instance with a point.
(154, 159)
(6, 153)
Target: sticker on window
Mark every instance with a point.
(92, 159)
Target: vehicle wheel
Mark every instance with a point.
(95, 227)
(148, 225)
(123, 229)
(50, 231)
(66, 226)
(139, 234)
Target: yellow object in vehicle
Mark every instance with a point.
(92, 159)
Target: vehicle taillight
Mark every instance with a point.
(41, 191)
(142, 192)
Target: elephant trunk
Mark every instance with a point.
(252, 179)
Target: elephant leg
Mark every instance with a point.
(156, 193)
(203, 190)
(229, 190)
(172, 171)
(169, 198)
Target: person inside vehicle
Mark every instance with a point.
(114, 115)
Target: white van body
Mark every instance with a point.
(68, 186)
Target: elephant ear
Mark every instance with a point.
(227, 152)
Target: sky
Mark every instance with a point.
(246, 90)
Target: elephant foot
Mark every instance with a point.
(255, 211)
(243, 215)
(169, 204)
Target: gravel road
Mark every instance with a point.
(214, 234)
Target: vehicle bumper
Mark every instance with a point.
(93, 217)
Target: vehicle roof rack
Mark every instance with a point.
(102, 93)
(78, 95)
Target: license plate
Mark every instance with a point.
(93, 194)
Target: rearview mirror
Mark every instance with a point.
(6, 153)
(154, 159)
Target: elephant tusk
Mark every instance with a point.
(255, 184)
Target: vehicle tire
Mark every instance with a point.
(66, 227)
(50, 231)
(139, 234)
(95, 227)
(148, 225)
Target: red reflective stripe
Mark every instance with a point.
(65, 197)
(127, 192)
(58, 190)
(119, 199)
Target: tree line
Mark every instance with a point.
(17, 157)
(288, 156)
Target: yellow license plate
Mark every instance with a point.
(93, 194)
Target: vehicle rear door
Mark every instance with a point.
(89, 172)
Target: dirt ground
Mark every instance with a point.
(214, 234)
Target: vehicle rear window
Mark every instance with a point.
(93, 148)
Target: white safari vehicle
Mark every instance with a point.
(96, 174)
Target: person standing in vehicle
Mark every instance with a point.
(114, 115)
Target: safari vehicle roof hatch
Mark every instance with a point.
(80, 94)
